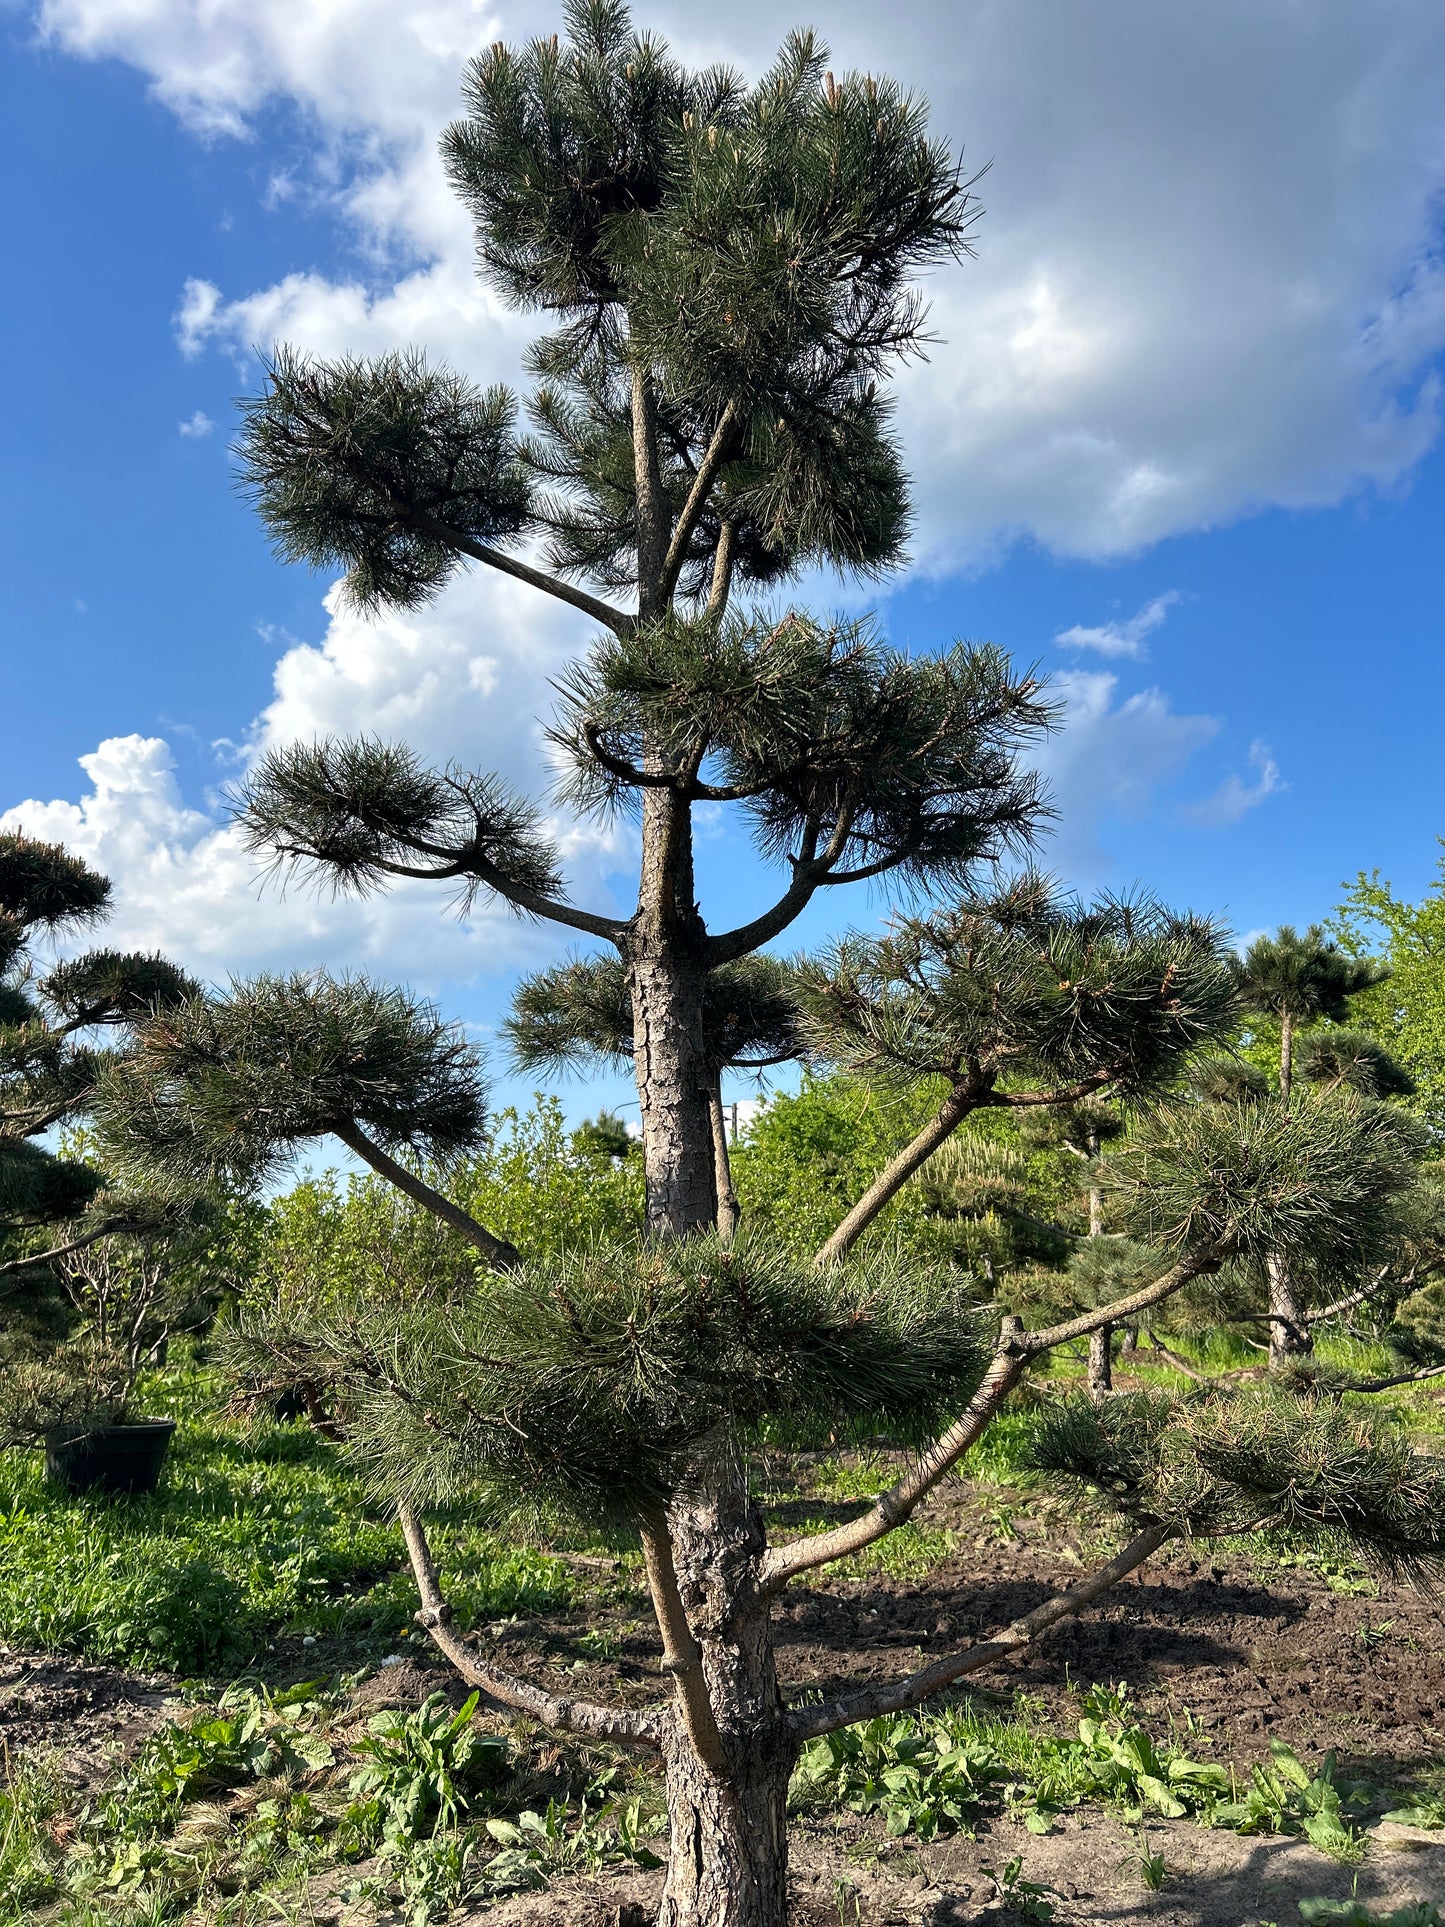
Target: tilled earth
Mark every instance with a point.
(1224, 1654)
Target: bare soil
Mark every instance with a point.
(1223, 1653)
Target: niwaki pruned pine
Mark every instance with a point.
(726, 277)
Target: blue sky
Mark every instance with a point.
(1184, 416)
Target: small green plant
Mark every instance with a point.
(1126, 1765)
(1152, 1870)
(1026, 1897)
(1285, 1797)
(917, 1773)
(1424, 1812)
(425, 1770)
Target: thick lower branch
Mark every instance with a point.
(681, 1654)
(897, 1504)
(498, 1253)
(568, 1715)
(809, 1722)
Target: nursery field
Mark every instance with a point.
(213, 1708)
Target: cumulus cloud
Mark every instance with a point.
(1128, 638)
(1209, 279)
(1109, 761)
(460, 684)
(1235, 797)
(197, 427)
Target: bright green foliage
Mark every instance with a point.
(803, 1160)
(545, 1189)
(918, 1773)
(1285, 1797)
(593, 1381)
(254, 1535)
(1228, 1461)
(1408, 1013)
(426, 1768)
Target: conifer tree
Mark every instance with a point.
(1298, 977)
(51, 1021)
(728, 274)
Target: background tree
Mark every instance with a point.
(1407, 1011)
(729, 274)
(1297, 977)
(52, 1023)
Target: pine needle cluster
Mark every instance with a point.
(1318, 1182)
(1024, 988)
(605, 1381)
(225, 1089)
(579, 1014)
(1256, 1461)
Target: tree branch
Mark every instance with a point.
(810, 1722)
(615, 619)
(961, 1100)
(722, 572)
(714, 456)
(568, 1715)
(499, 1254)
(681, 1654)
(64, 1251)
(808, 872)
(893, 1507)
(1197, 1265)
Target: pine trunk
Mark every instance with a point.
(1288, 1337)
(728, 1865)
(666, 979)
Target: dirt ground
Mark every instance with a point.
(1224, 1656)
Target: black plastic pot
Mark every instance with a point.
(110, 1458)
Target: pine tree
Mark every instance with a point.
(729, 275)
(1296, 978)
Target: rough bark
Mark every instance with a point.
(728, 1865)
(1101, 1362)
(666, 978)
(1289, 1337)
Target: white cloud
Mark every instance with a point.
(1235, 797)
(1209, 276)
(1108, 761)
(1129, 638)
(464, 683)
(199, 425)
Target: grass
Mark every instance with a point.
(256, 1537)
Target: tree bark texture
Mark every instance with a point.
(1289, 1337)
(728, 1865)
(666, 979)
(1101, 1364)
